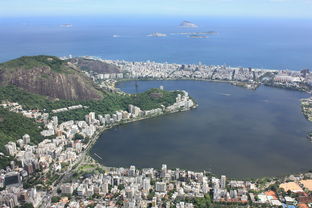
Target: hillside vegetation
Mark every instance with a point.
(13, 126)
(30, 62)
(49, 76)
(150, 99)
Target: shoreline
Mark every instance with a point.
(87, 152)
(213, 80)
(98, 160)
(248, 77)
(103, 129)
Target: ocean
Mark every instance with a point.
(252, 42)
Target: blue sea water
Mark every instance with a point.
(261, 43)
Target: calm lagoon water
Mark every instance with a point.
(243, 134)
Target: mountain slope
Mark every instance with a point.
(95, 65)
(48, 76)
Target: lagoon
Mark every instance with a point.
(234, 131)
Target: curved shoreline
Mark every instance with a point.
(220, 81)
(232, 82)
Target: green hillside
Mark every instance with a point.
(150, 99)
(12, 127)
(49, 76)
(30, 62)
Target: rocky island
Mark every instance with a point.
(188, 24)
(195, 33)
(66, 25)
(157, 34)
(198, 36)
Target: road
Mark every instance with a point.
(46, 200)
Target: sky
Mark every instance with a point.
(241, 8)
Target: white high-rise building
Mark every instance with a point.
(107, 118)
(205, 187)
(223, 181)
(114, 116)
(26, 139)
(105, 187)
(10, 148)
(177, 174)
(146, 184)
(67, 188)
(119, 116)
(55, 121)
(163, 170)
(132, 170)
(160, 187)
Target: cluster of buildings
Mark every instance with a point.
(301, 80)
(183, 102)
(306, 105)
(17, 108)
(12, 196)
(53, 155)
(149, 187)
(107, 83)
(74, 107)
(234, 191)
(297, 192)
(110, 76)
(131, 188)
(63, 147)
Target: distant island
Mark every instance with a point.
(66, 25)
(188, 24)
(157, 34)
(195, 33)
(198, 36)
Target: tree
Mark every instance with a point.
(121, 186)
(78, 137)
(27, 205)
(55, 199)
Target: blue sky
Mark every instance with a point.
(257, 8)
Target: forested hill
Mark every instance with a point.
(13, 126)
(48, 76)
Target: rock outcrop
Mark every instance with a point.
(48, 76)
